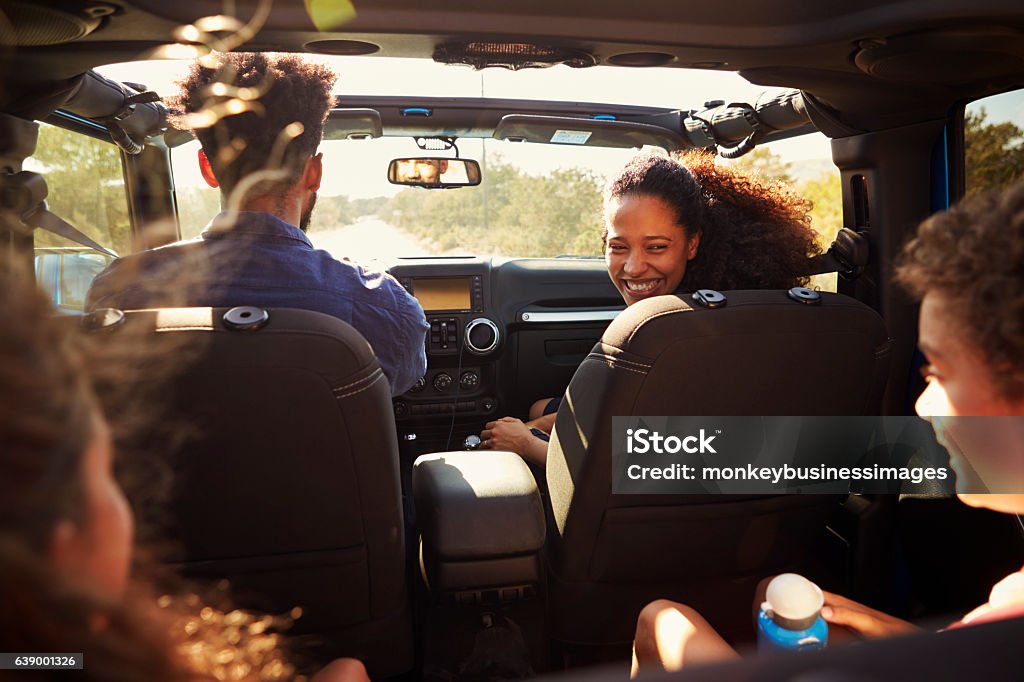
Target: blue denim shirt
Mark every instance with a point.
(262, 260)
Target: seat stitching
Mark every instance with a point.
(368, 378)
(615, 363)
(370, 385)
(629, 369)
(647, 319)
(619, 360)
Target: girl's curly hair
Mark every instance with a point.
(753, 235)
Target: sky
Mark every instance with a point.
(1008, 106)
(358, 169)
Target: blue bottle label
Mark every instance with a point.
(772, 636)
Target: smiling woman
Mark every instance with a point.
(678, 225)
(681, 225)
(647, 250)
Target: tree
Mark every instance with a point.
(825, 195)
(526, 215)
(993, 152)
(765, 165)
(86, 184)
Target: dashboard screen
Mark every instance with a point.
(442, 293)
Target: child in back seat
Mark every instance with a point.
(967, 268)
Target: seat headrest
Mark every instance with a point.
(762, 352)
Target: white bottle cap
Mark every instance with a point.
(794, 597)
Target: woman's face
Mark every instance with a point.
(96, 549)
(983, 432)
(647, 250)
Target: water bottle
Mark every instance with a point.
(790, 617)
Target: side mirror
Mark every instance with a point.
(434, 173)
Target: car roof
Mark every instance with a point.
(872, 64)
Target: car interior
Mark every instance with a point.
(305, 483)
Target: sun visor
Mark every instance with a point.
(353, 124)
(586, 132)
(341, 124)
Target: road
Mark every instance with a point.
(368, 239)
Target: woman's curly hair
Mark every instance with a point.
(973, 256)
(275, 91)
(753, 235)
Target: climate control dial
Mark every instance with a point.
(442, 382)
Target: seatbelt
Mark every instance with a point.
(43, 219)
(25, 194)
(848, 255)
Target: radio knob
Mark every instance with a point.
(419, 385)
(469, 380)
(442, 382)
(482, 336)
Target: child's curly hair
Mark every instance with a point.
(973, 256)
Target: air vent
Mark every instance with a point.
(512, 56)
(24, 24)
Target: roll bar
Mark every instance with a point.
(735, 128)
(131, 114)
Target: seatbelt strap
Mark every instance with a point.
(43, 219)
(24, 193)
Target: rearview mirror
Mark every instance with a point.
(434, 173)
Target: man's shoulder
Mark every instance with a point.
(374, 282)
(158, 254)
(145, 270)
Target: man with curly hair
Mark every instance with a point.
(259, 119)
(967, 268)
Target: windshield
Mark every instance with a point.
(534, 199)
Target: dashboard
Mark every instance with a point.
(503, 333)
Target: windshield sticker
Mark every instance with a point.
(570, 136)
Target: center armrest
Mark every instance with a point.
(480, 517)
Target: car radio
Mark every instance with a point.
(442, 299)
(463, 294)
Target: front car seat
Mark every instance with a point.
(762, 353)
(289, 484)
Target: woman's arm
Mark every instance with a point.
(509, 433)
(543, 423)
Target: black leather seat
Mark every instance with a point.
(289, 486)
(761, 354)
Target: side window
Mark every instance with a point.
(197, 202)
(86, 188)
(77, 272)
(994, 142)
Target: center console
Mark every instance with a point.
(462, 345)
